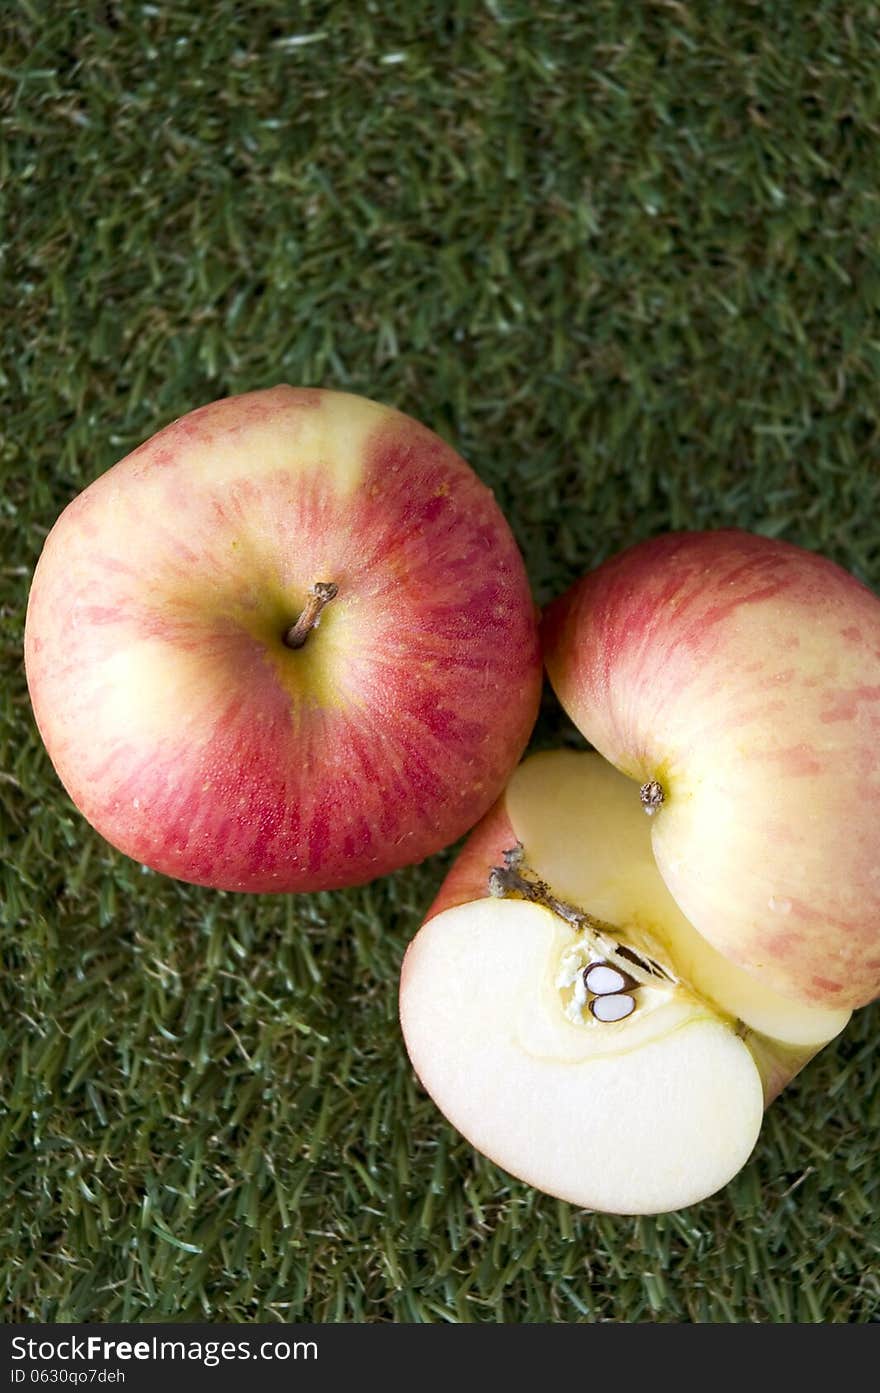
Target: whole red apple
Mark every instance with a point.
(736, 679)
(286, 644)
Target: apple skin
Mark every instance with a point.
(743, 674)
(186, 731)
(468, 876)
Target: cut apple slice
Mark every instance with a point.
(638, 1116)
(573, 1025)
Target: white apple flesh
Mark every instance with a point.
(644, 1110)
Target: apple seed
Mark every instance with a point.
(612, 1008)
(602, 980)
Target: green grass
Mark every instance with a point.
(625, 258)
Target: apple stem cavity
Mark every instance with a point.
(321, 593)
(653, 796)
(516, 880)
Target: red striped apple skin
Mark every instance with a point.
(744, 675)
(186, 731)
(468, 877)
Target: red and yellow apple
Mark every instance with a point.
(604, 1001)
(286, 644)
(572, 1024)
(736, 679)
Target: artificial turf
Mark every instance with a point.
(624, 257)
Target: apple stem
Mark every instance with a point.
(514, 878)
(320, 594)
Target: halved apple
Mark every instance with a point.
(736, 679)
(572, 1024)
